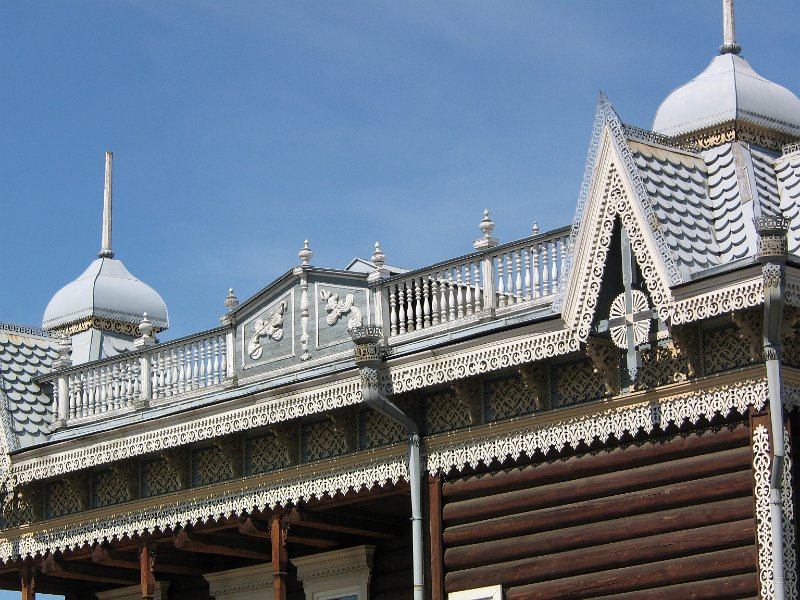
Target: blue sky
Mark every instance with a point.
(241, 128)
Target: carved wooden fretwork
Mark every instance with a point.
(232, 447)
(685, 342)
(180, 461)
(288, 437)
(469, 394)
(536, 378)
(345, 424)
(78, 483)
(750, 324)
(128, 473)
(605, 362)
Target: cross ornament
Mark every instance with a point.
(629, 316)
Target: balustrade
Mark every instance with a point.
(525, 271)
(135, 379)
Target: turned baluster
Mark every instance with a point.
(443, 296)
(527, 267)
(451, 297)
(223, 357)
(468, 289)
(426, 293)
(409, 295)
(215, 366)
(459, 295)
(203, 366)
(510, 278)
(478, 295)
(418, 304)
(167, 373)
(554, 266)
(535, 272)
(501, 282)
(434, 299)
(393, 310)
(75, 395)
(401, 308)
(545, 271)
(102, 394)
(181, 358)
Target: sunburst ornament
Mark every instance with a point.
(635, 318)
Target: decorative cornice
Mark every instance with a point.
(498, 355)
(210, 503)
(688, 407)
(719, 301)
(644, 412)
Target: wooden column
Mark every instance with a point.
(147, 560)
(27, 577)
(435, 523)
(280, 556)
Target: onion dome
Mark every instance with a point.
(106, 291)
(105, 296)
(730, 101)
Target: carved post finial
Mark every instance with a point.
(105, 245)
(231, 301)
(487, 227)
(535, 228)
(146, 329)
(729, 45)
(378, 257)
(305, 254)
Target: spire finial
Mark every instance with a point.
(105, 247)
(729, 45)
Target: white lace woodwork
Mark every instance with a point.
(788, 521)
(290, 486)
(180, 368)
(637, 317)
(385, 466)
(761, 469)
(724, 349)
(610, 187)
(454, 292)
(509, 397)
(496, 442)
(732, 398)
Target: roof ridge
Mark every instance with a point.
(648, 136)
(23, 329)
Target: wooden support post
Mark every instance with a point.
(27, 577)
(147, 560)
(280, 557)
(435, 524)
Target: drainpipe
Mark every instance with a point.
(772, 251)
(368, 356)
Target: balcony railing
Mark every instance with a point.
(135, 380)
(526, 271)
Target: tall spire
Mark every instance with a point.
(729, 45)
(105, 248)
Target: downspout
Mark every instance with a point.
(369, 354)
(772, 251)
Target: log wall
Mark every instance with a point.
(668, 518)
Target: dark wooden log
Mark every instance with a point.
(710, 566)
(435, 531)
(596, 464)
(598, 486)
(607, 556)
(690, 493)
(723, 588)
(604, 532)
